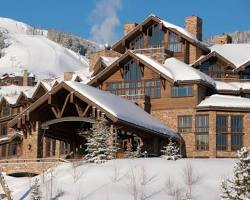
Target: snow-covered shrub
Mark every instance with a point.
(129, 150)
(238, 188)
(36, 193)
(170, 151)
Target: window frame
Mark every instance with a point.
(222, 133)
(176, 90)
(238, 135)
(204, 133)
(185, 129)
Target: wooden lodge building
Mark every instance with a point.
(158, 81)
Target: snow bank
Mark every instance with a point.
(97, 182)
(232, 86)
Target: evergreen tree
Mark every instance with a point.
(97, 142)
(170, 151)
(138, 151)
(238, 188)
(129, 150)
(36, 193)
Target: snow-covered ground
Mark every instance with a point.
(121, 179)
(36, 53)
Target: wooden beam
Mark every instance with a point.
(56, 111)
(71, 97)
(65, 104)
(49, 99)
(85, 111)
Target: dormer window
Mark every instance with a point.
(5, 109)
(155, 36)
(174, 42)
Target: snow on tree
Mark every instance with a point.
(138, 151)
(36, 193)
(129, 150)
(98, 143)
(238, 188)
(112, 144)
(171, 151)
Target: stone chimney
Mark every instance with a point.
(193, 24)
(93, 57)
(128, 27)
(222, 39)
(25, 77)
(68, 76)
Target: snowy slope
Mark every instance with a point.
(39, 55)
(97, 182)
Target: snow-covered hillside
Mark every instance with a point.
(29, 48)
(121, 179)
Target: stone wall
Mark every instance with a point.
(170, 119)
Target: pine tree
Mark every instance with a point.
(170, 151)
(238, 188)
(129, 150)
(36, 193)
(112, 145)
(138, 151)
(97, 142)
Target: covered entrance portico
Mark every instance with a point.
(66, 114)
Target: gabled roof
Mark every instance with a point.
(177, 70)
(225, 102)
(236, 55)
(172, 70)
(120, 110)
(176, 29)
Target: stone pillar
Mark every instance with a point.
(229, 135)
(30, 143)
(212, 134)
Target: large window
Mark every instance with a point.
(202, 130)
(12, 151)
(174, 43)
(132, 76)
(246, 73)
(155, 36)
(184, 124)
(64, 148)
(3, 129)
(212, 69)
(137, 43)
(115, 88)
(153, 88)
(182, 91)
(3, 150)
(5, 109)
(221, 132)
(237, 131)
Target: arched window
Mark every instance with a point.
(155, 36)
(245, 74)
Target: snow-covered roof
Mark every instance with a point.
(108, 60)
(225, 101)
(232, 86)
(13, 89)
(183, 31)
(121, 108)
(238, 54)
(12, 99)
(177, 70)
